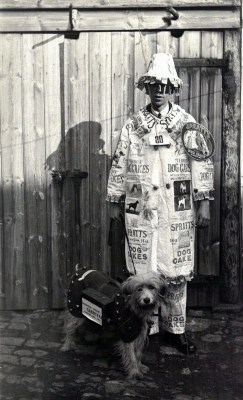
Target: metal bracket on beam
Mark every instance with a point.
(60, 175)
(73, 14)
(173, 16)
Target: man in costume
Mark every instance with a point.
(172, 194)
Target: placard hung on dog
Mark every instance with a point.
(197, 141)
(91, 311)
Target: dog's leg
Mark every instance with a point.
(70, 325)
(129, 359)
(139, 345)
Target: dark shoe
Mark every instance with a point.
(180, 342)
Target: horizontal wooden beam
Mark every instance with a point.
(116, 20)
(200, 62)
(81, 4)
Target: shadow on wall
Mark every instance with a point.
(81, 142)
(79, 204)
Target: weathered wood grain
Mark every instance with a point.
(34, 160)
(189, 99)
(211, 117)
(189, 47)
(13, 222)
(122, 82)
(73, 97)
(52, 46)
(2, 269)
(144, 47)
(230, 218)
(100, 147)
(122, 107)
(119, 20)
(42, 4)
(167, 44)
(6, 126)
(77, 152)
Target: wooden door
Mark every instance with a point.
(64, 105)
(100, 69)
(33, 240)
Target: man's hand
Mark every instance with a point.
(203, 214)
(115, 211)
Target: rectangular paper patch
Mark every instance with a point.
(155, 327)
(159, 137)
(159, 140)
(91, 311)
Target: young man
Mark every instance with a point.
(166, 193)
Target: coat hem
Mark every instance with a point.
(177, 280)
(203, 195)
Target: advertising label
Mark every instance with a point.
(91, 311)
(197, 141)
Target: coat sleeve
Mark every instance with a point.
(116, 186)
(202, 173)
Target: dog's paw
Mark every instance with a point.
(67, 346)
(134, 374)
(144, 369)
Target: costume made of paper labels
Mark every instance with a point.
(161, 184)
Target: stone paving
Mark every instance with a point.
(34, 368)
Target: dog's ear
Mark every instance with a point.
(128, 286)
(158, 282)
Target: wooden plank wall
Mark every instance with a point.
(13, 239)
(57, 20)
(30, 132)
(66, 101)
(230, 288)
(53, 64)
(77, 129)
(37, 4)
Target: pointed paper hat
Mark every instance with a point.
(161, 69)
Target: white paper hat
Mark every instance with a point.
(161, 69)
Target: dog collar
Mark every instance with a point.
(128, 324)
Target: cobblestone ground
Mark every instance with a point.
(34, 368)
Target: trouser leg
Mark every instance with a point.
(173, 308)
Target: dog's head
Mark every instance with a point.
(142, 292)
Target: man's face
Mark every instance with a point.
(157, 96)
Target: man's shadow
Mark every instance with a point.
(81, 204)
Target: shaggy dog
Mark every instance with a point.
(141, 295)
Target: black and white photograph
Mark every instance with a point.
(121, 197)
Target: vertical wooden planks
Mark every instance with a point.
(100, 146)
(230, 223)
(2, 272)
(72, 99)
(189, 47)
(52, 47)
(77, 137)
(145, 46)
(168, 44)
(12, 240)
(122, 81)
(122, 106)
(211, 117)
(35, 182)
